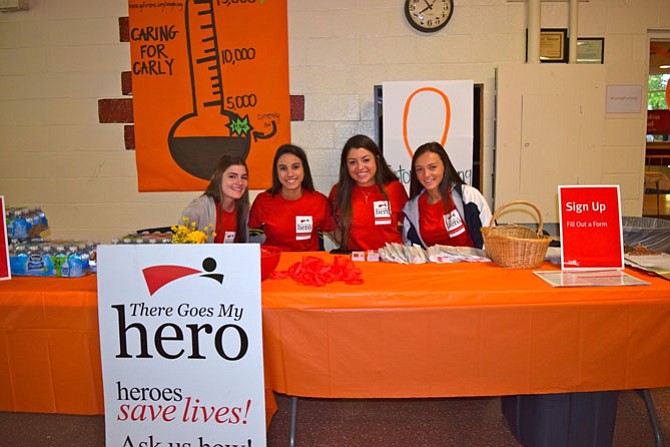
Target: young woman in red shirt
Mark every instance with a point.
(367, 199)
(224, 206)
(442, 208)
(291, 212)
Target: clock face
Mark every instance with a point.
(428, 15)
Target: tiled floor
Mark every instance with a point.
(476, 422)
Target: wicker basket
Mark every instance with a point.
(515, 246)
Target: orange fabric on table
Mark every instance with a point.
(408, 331)
(461, 330)
(50, 347)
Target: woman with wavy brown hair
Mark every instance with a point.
(367, 199)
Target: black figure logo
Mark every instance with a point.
(209, 265)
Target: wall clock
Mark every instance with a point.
(428, 16)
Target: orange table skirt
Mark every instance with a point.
(409, 331)
(462, 330)
(50, 347)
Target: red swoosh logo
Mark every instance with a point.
(158, 276)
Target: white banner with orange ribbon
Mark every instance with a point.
(418, 112)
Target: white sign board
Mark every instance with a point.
(624, 99)
(181, 345)
(418, 112)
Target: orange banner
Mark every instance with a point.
(210, 77)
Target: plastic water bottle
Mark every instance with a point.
(47, 258)
(75, 262)
(84, 255)
(59, 259)
(35, 265)
(65, 268)
(19, 226)
(18, 260)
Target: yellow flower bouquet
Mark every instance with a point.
(188, 233)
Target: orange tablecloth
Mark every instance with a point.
(411, 330)
(462, 330)
(49, 346)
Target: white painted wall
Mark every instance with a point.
(61, 56)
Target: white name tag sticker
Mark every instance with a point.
(454, 223)
(382, 210)
(303, 227)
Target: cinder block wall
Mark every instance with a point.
(60, 58)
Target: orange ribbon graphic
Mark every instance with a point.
(447, 120)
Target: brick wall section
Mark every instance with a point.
(124, 29)
(129, 137)
(126, 83)
(297, 108)
(120, 110)
(116, 110)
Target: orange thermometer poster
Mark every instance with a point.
(210, 78)
(591, 232)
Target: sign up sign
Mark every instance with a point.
(591, 232)
(181, 345)
(5, 272)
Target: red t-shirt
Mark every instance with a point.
(374, 219)
(226, 226)
(292, 225)
(440, 227)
